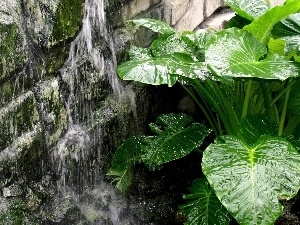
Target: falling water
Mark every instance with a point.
(91, 63)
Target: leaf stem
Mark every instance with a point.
(210, 120)
(283, 113)
(247, 99)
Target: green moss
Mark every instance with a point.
(17, 214)
(68, 19)
(11, 49)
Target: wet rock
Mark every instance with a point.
(12, 191)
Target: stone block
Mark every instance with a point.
(136, 7)
(17, 117)
(174, 10)
(211, 5)
(193, 16)
(52, 110)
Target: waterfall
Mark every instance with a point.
(91, 62)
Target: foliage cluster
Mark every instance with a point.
(245, 80)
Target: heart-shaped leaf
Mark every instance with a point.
(178, 137)
(262, 26)
(203, 207)
(249, 181)
(249, 9)
(123, 161)
(288, 29)
(161, 70)
(236, 53)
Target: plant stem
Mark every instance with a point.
(208, 97)
(282, 93)
(283, 113)
(231, 114)
(203, 109)
(247, 99)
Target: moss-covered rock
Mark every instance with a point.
(52, 110)
(68, 19)
(12, 52)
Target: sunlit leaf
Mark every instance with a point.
(203, 207)
(249, 9)
(139, 53)
(249, 181)
(161, 70)
(154, 25)
(178, 137)
(236, 53)
(276, 46)
(262, 26)
(288, 29)
(170, 45)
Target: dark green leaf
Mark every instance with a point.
(262, 26)
(238, 22)
(154, 25)
(249, 9)
(288, 29)
(255, 126)
(178, 138)
(236, 53)
(203, 207)
(249, 181)
(123, 161)
(294, 99)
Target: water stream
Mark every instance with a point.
(91, 61)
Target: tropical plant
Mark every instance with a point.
(245, 80)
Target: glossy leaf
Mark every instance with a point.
(249, 181)
(262, 26)
(123, 161)
(154, 25)
(136, 53)
(236, 53)
(255, 126)
(203, 207)
(294, 99)
(178, 137)
(161, 70)
(288, 29)
(249, 9)
(170, 45)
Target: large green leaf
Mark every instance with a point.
(236, 53)
(262, 26)
(154, 25)
(249, 181)
(123, 161)
(162, 70)
(288, 29)
(249, 9)
(203, 207)
(177, 137)
(294, 99)
(170, 45)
